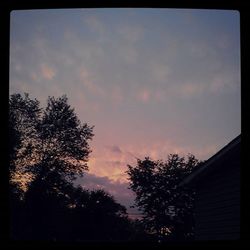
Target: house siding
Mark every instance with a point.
(217, 203)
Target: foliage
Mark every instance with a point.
(98, 217)
(48, 149)
(167, 207)
(75, 215)
(24, 115)
(43, 141)
(64, 141)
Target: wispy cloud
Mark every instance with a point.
(128, 53)
(47, 71)
(222, 83)
(94, 24)
(147, 79)
(160, 71)
(190, 90)
(131, 33)
(94, 88)
(112, 162)
(144, 95)
(114, 149)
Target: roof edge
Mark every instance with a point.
(193, 176)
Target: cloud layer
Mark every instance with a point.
(151, 81)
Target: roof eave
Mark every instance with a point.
(193, 177)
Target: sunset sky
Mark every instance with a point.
(151, 81)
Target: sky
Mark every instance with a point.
(151, 81)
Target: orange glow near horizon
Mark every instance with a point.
(111, 161)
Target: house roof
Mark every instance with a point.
(211, 163)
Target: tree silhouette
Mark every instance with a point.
(167, 208)
(43, 141)
(24, 116)
(48, 150)
(98, 217)
(63, 142)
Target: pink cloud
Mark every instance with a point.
(144, 95)
(87, 81)
(47, 72)
(131, 33)
(34, 76)
(113, 168)
(111, 161)
(223, 83)
(160, 95)
(94, 23)
(108, 164)
(191, 89)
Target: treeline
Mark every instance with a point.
(49, 149)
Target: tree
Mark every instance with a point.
(63, 144)
(50, 148)
(167, 207)
(42, 141)
(24, 116)
(98, 217)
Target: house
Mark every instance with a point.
(217, 200)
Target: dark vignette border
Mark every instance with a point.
(6, 6)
